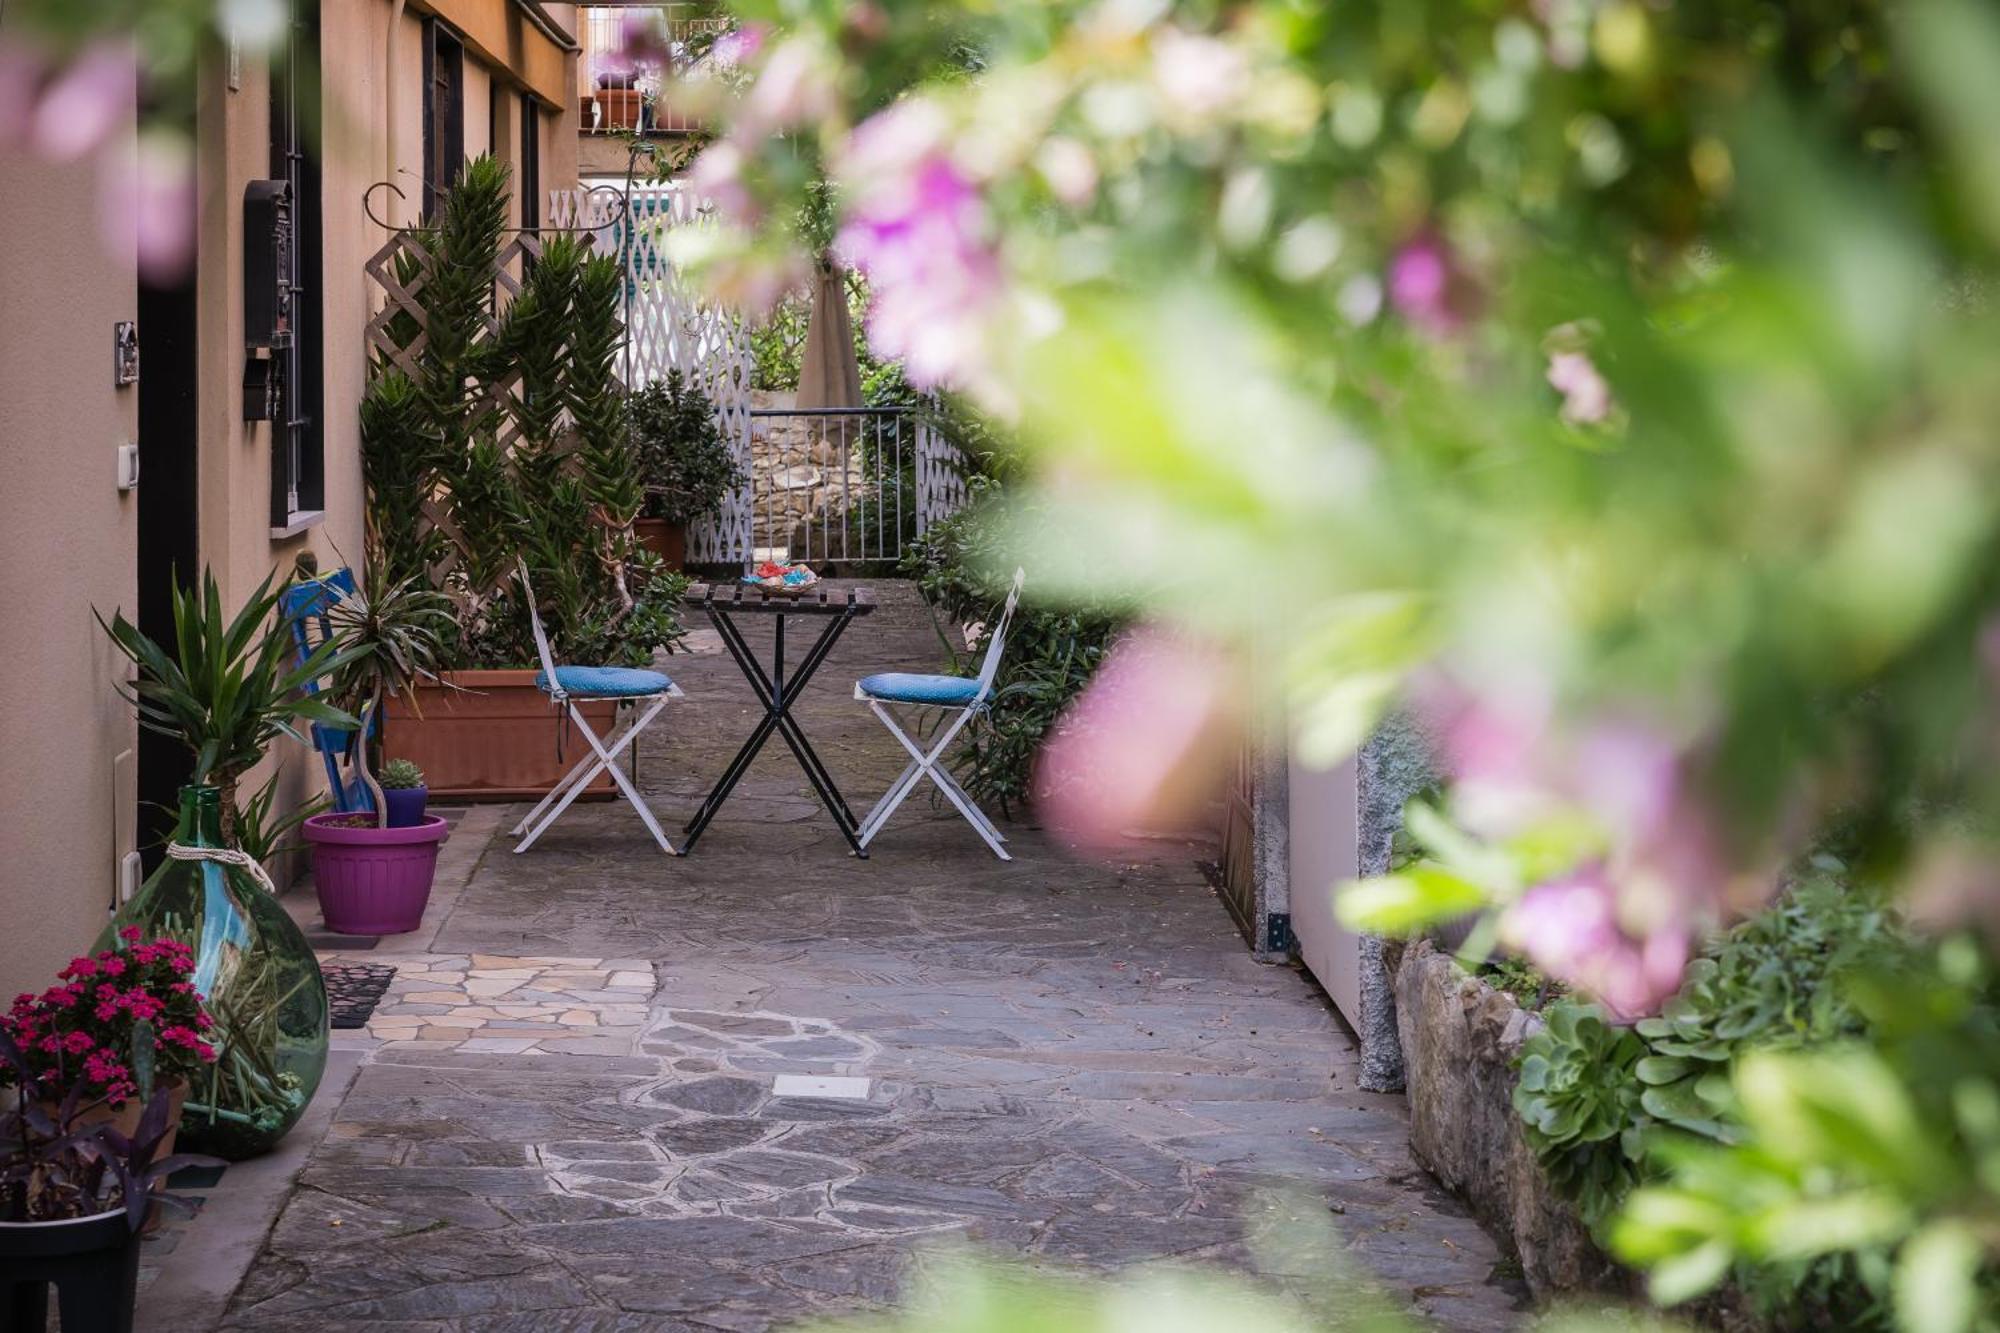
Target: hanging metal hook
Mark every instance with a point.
(593, 216)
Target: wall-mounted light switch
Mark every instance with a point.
(128, 466)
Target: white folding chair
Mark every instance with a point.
(565, 686)
(967, 697)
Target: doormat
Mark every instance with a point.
(354, 989)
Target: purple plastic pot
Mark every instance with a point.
(373, 881)
(406, 805)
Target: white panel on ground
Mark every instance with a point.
(812, 1085)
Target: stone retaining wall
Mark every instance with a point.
(1460, 1037)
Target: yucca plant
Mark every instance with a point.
(228, 685)
(392, 632)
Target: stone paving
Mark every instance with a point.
(510, 1006)
(1076, 1066)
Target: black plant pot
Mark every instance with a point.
(92, 1262)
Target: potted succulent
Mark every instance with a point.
(685, 463)
(403, 793)
(74, 1195)
(374, 877)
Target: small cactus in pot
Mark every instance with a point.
(403, 792)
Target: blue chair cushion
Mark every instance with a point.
(903, 688)
(605, 682)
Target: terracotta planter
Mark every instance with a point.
(492, 739)
(622, 107)
(666, 540)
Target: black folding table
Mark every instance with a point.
(777, 691)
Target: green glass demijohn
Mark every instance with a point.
(259, 979)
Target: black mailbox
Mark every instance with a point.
(267, 294)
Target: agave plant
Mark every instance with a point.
(229, 685)
(392, 632)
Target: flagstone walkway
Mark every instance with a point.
(613, 1092)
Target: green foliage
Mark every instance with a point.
(1879, 1156)
(1609, 1109)
(684, 463)
(400, 775)
(228, 685)
(395, 632)
(1578, 1099)
(453, 507)
(1051, 654)
(268, 834)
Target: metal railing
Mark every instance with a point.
(833, 485)
(624, 95)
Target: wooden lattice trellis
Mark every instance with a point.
(402, 299)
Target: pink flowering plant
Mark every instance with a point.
(113, 1020)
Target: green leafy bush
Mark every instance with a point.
(961, 567)
(502, 435)
(685, 464)
(1609, 1109)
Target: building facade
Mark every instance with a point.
(248, 454)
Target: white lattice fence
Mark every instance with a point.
(940, 477)
(669, 328)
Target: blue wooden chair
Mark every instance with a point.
(305, 606)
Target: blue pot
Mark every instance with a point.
(406, 805)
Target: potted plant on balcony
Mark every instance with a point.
(404, 793)
(684, 462)
(74, 1194)
(373, 877)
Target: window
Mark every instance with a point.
(531, 163)
(298, 473)
(444, 112)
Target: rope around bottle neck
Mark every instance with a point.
(229, 856)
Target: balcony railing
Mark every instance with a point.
(622, 94)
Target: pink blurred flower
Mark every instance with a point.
(717, 176)
(642, 44)
(146, 204)
(86, 103)
(1586, 396)
(20, 81)
(918, 227)
(1424, 285)
(739, 46)
(1144, 746)
(1200, 76)
(1069, 168)
(1571, 929)
(795, 87)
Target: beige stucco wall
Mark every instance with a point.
(68, 542)
(68, 538)
(356, 151)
